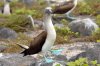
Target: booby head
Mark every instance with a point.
(29, 16)
(47, 13)
(7, 1)
(48, 10)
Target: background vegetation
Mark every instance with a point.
(20, 23)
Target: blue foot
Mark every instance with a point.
(48, 60)
(57, 52)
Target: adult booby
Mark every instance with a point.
(84, 26)
(45, 40)
(65, 6)
(6, 9)
(54, 2)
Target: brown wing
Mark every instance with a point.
(63, 7)
(36, 44)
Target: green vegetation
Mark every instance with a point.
(94, 5)
(83, 62)
(58, 65)
(88, 7)
(96, 35)
(98, 20)
(18, 20)
(65, 34)
(83, 9)
(1, 4)
(19, 23)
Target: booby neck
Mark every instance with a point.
(48, 24)
(51, 33)
(68, 13)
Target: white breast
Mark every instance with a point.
(51, 35)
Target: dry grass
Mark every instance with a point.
(12, 44)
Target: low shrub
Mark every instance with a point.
(65, 34)
(83, 62)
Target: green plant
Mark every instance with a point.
(64, 21)
(16, 22)
(1, 4)
(26, 11)
(83, 62)
(64, 35)
(98, 20)
(83, 9)
(58, 65)
(98, 40)
(64, 31)
(96, 35)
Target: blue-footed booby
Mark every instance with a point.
(85, 26)
(45, 40)
(63, 7)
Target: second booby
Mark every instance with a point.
(63, 7)
(6, 8)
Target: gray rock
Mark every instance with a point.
(92, 53)
(28, 2)
(7, 33)
(60, 58)
(84, 26)
(16, 60)
(44, 64)
(50, 64)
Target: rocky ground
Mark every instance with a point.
(70, 52)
